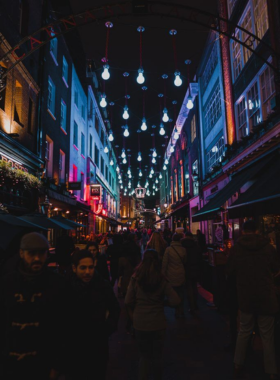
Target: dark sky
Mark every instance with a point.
(158, 59)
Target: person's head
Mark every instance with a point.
(188, 235)
(249, 227)
(148, 272)
(177, 237)
(34, 248)
(180, 230)
(93, 248)
(83, 265)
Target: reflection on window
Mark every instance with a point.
(209, 68)
(215, 154)
(246, 24)
(212, 110)
(195, 175)
(242, 118)
(254, 105)
(261, 17)
(267, 90)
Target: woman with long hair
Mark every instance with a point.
(145, 296)
(157, 243)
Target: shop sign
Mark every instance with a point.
(99, 209)
(95, 192)
(74, 185)
(15, 164)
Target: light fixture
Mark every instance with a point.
(140, 78)
(106, 150)
(165, 205)
(124, 160)
(166, 161)
(140, 173)
(123, 154)
(139, 158)
(144, 125)
(156, 180)
(128, 171)
(177, 81)
(190, 103)
(105, 74)
(160, 176)
(126, 131)
(162, 130)
(165, 117)
(152, 170)
(111, 136)
(154, 186)
(121, 186)
(154, 160)
(129, 175)
(103, 102)
(176, 134)
(120, 181)
(171, 149)
(150, 175)
(164, 167)
(119, 176)
(154, 153)
(117, 169)
(138, 184)
(125, 113)
(111, 162)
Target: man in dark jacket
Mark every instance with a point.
(31, 310)
(93, 313)
(254, 262)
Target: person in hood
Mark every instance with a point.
(254, 261)
(193, 266)
(92, 316)
(31, 318)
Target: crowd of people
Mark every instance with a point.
(56, 324)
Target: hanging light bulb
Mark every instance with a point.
(111, 162)
(121, 186)
(106, 74)
(177, 80)
(166, 161)
(189, 103)
(129, 175)
(154, 153)
(150, 176)
(117, 169)
(154, 193)
(103, 102)
(120, 181)
(126, 131)
(156, 180)
(123, 154)
(156, 189)
(154, 160)
(124, 161)
(176, 134)
(144, 125)
(152, 171)
(138, 184)
(106, 150)
(125, 113)
(119, 176)
(162, 130)
(154, 186)
(139, 158)
(171, 149)
(160, 176)
(111, 136)
(164, 167)
(140, 79)
(128, 171)
(165, 117)
(125, 189)
(140, 173)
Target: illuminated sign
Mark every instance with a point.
(95, 192)
(14, 163)
(99, 208)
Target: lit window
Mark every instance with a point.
(51, 96)
(242, 118)
(267, 89)
(212, 110)
(253, 105)
(195, 178)
(215, 154)
(246, 24)
(261, 17)
(18, 103)
(236, 56)
(193, 128)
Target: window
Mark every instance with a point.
(30, 116)
(90, 146)
(231, 4)
(76, 98)
(110, 179)
(187, 182)
(49, 157)
(261, 17)
(267, 89)
(51, 96)
(75, 173)
(61, 166)
(214, 155)
(3, 92)
(113, 183)
(97, 124)
(65, 70)
(75, 134)
(23, 17)
(193, 129)
(91, 109)
(82, 193)
(82, 144)
(209, 68)
(96, 156)
(195, 178)
(254, 105)
(63, 115)
(246, 24)
(212, 109)
(18, 103)
(102, 165)
(242, 118)
(102, 136)
(53, 48)
(236, 56)
(106, 173)
(83, 112)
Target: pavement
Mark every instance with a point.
(194, 348)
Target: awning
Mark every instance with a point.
(15, 221)
(67, 222)
(210, 210)
(263, 197)
(43, 221)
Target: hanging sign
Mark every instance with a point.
(99, 209)
(74, 185)
(95, 192)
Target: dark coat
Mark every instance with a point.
(254, 261)
(31, 322)
(63, 250)
(194, 258)
(92, 315)
(102, 267)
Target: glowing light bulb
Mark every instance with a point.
(165, 117)
(154, 193)
(138, 184)
(154, 153)
(106, 74)
(162, 130)
(126, 132)
(164, 167)
(120, 181)
(152, 171)
(117, 169)
(106, 150)
(111, 136)
(176, 135)
(111, 162)
(140, 173)
(166, 161)
(103, 102)
(125, 113)
(121, 186)
(172, 149)
(140, 79)
(139, 158)
(124, 161)
(150, 176)
(177, 80)
(144, 125)
(189, 103)
(123, 154)
(129, 175)
(128, 171)
(119, 176)
(160, 176)
(156, 180)
(154, 186)
(154, 160)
